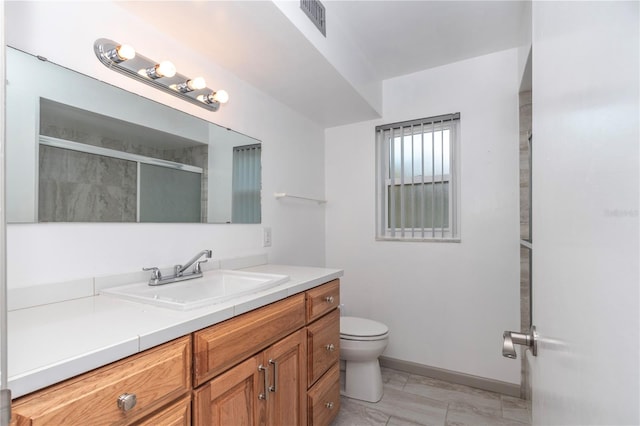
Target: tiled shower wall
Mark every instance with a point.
(80, 187)
(101, 189)
(525, 229)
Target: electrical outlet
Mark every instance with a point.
(266, 237)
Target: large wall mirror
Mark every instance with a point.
(81, 150)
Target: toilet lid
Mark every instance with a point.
(361, 327)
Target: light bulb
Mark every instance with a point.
(125, 52)
(165, 69)
(221, 96)
(196, 83)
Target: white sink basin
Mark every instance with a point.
(215, 286)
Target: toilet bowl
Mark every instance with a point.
(362, 341)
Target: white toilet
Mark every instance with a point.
(362, 341)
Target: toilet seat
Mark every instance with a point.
(354, 328)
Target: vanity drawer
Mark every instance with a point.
(322, 299)
(156, 377)
(223, 345)
(176, 414)
(323, 400)
(323, 345)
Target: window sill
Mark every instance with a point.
(419, 240)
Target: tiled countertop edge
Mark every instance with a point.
(40, 378)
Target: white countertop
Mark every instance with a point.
(54, 342)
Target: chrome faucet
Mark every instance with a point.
(179, 270)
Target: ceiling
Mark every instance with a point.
(402, 37)
(259, 44)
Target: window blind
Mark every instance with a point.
(246, 184)
(416, 172)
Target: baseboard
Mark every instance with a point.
(510, 389)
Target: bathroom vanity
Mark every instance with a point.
(273, 361)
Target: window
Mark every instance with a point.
(416, 169)
(246, 184)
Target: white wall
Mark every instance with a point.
(446, 304)
(64, 32)
(338, 48)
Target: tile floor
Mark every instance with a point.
(416, 400)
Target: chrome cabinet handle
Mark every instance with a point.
(330, 347)
(275, 376)
(264, 395)
(329, 405)
(329, 299)
(127, 401)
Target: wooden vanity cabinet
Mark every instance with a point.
(176, 414)
(322, 299)
(231, 398)
(323, 353)
(266, 368)
(323, 345)
(266, 389)
(276, 365)
(157, 377)
(286, 403)
(221, 346)
(324, 398)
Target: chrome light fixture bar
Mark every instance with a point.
(161, 75)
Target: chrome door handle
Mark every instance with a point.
(512, 338)
(275, 376)
(329, 299)
(330, 347)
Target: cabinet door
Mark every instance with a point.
(287, 402)
(233, 398)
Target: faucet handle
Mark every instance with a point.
(176, 270)
(155, 273)
(196, 268)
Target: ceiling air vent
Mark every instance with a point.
(315, 11)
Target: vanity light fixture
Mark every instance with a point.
(221, 96)
(163, 75)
